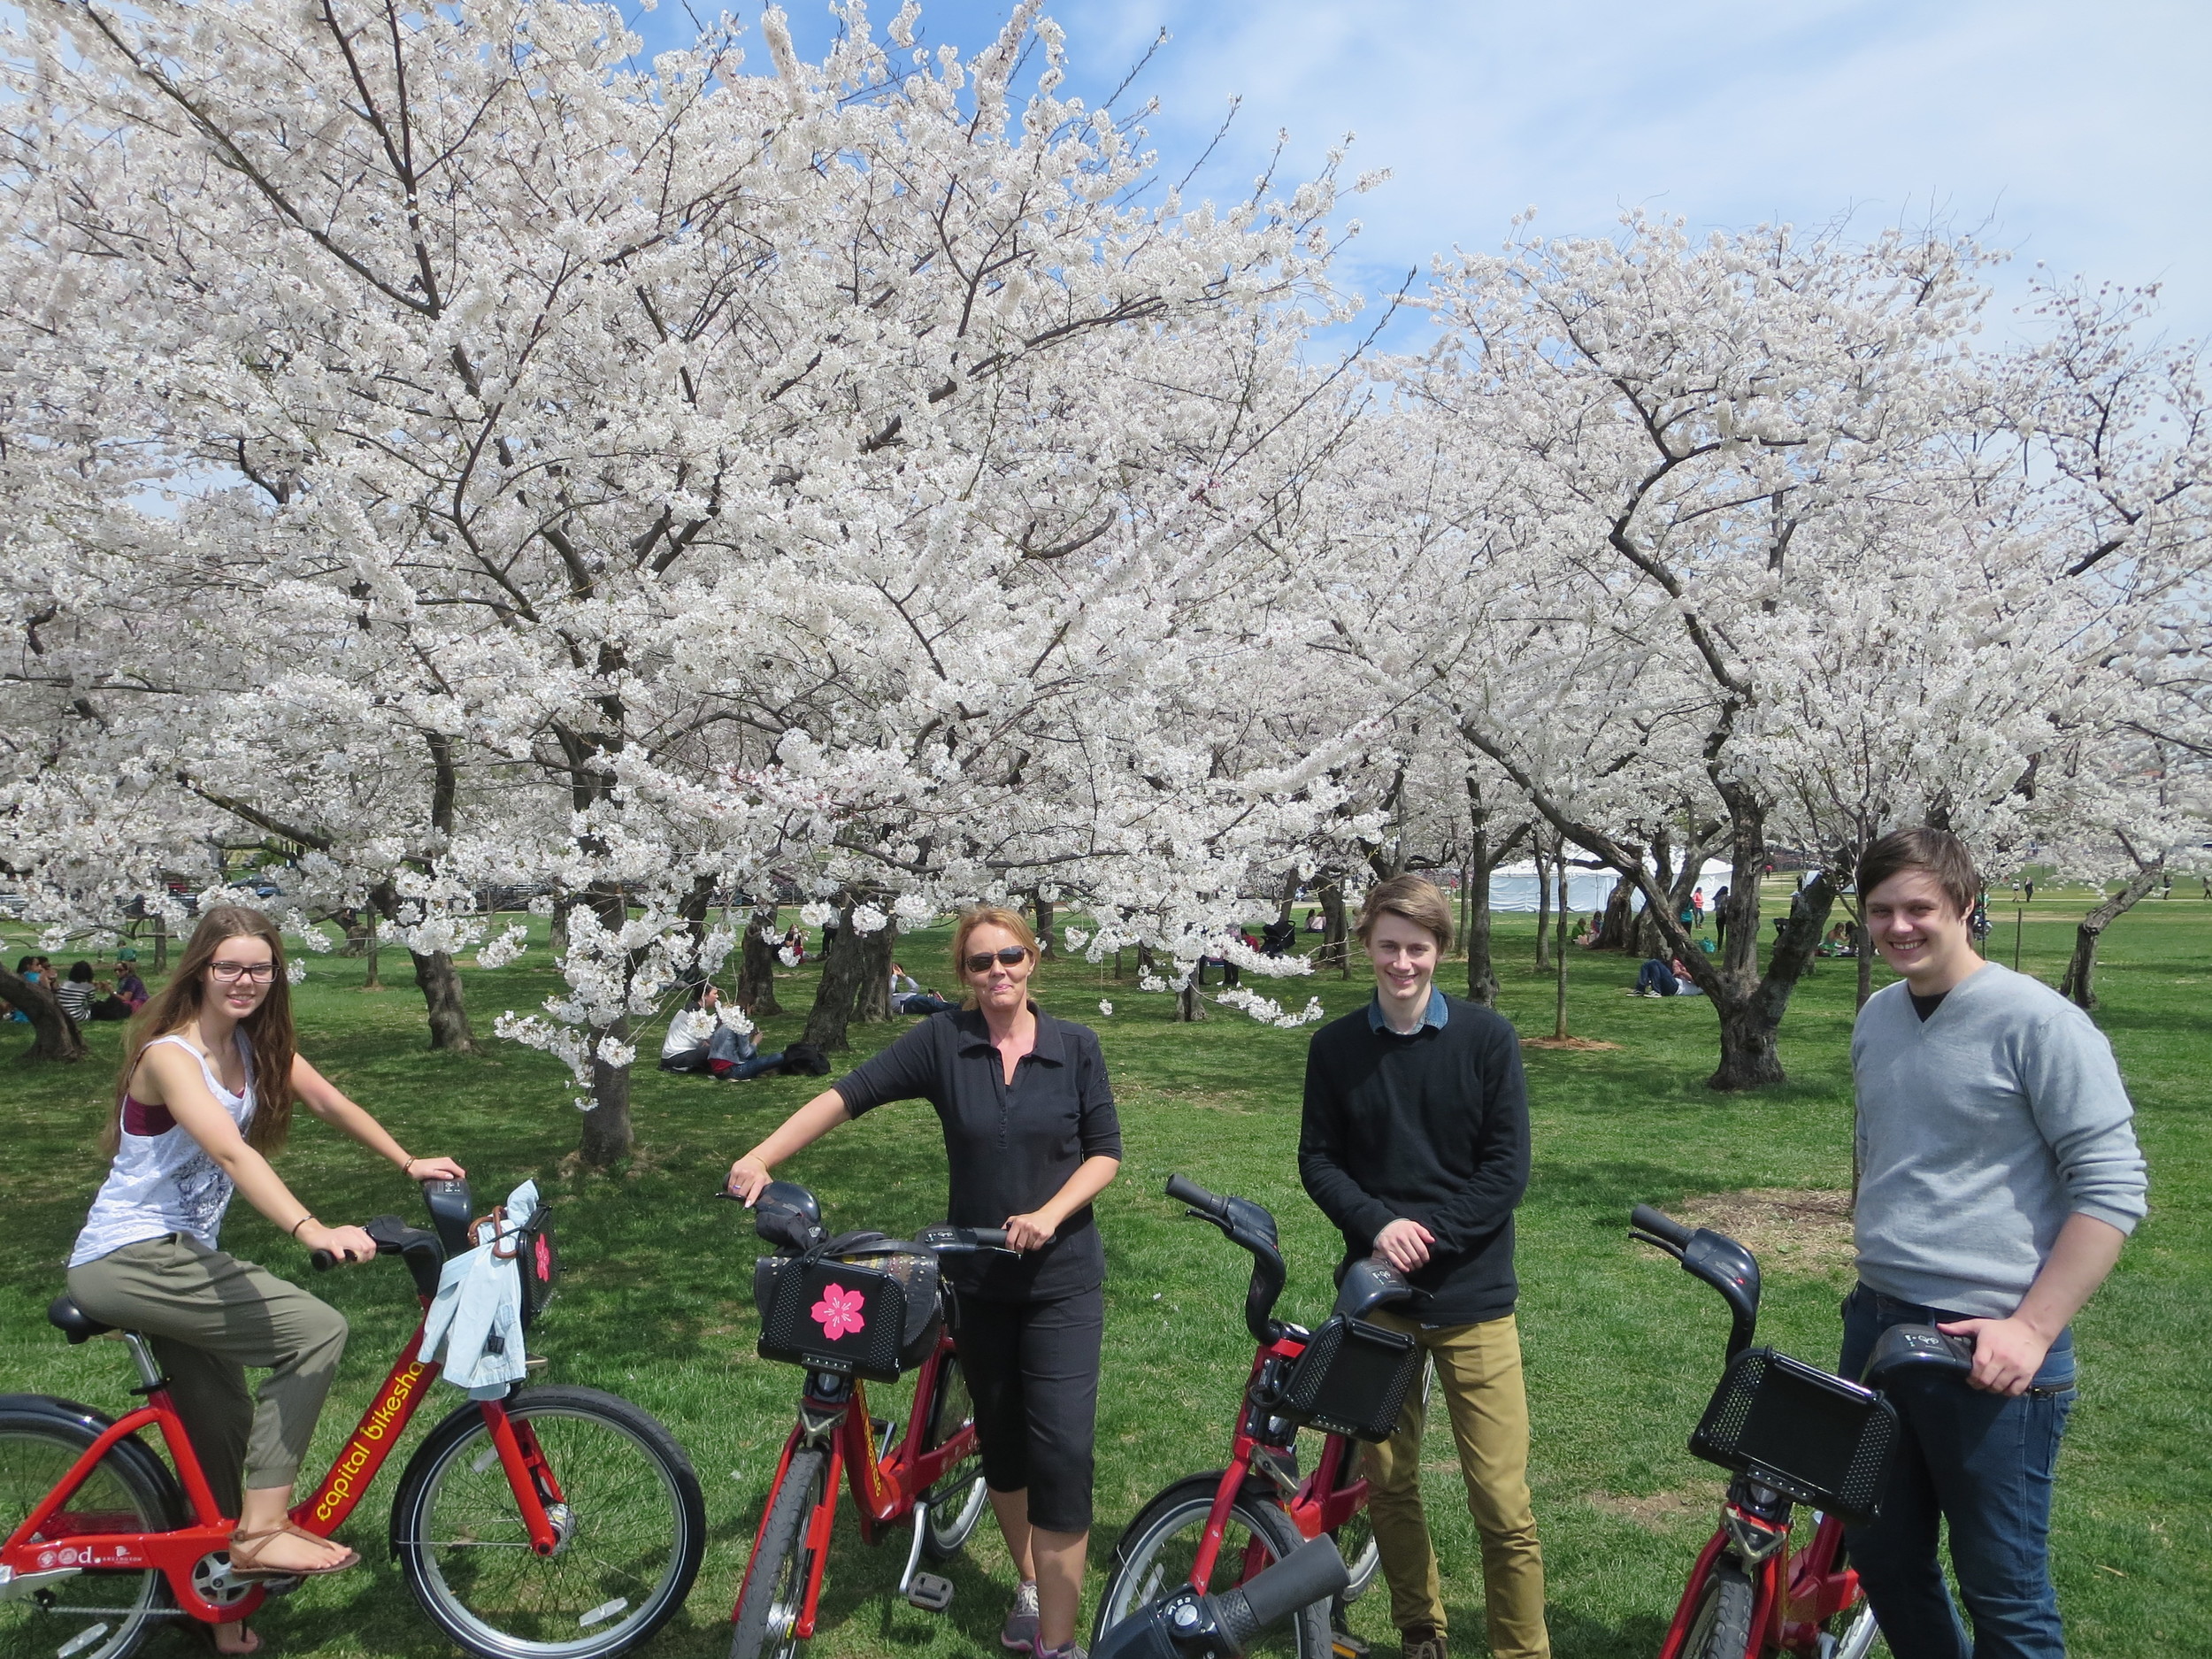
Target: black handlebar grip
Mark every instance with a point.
(989, 1238)
(1312, 1573)
(1184, 1190)
(1660, 1226)
(322, 1261)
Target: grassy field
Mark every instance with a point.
(1621, 1348)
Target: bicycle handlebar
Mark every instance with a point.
(1660, 1226)
(1312, 1573)
(1250, 1227)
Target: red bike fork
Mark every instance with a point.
(528, 1474)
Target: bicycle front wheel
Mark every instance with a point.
(776, 1579)
(1721, 1627)
(629, 1526)
(1160, 1549)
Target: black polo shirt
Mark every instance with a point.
(1009, 1147)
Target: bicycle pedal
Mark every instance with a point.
(280, 1587)
(1344, 1645)
(930, 1593)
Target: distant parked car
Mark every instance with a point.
(13, 903)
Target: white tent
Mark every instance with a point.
(1513, 887)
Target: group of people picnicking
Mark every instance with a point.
(1999, 1179)
(80, 993)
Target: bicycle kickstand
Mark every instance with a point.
(925, 1590)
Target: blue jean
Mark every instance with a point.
(1655, 975)
(1982, 1464)
(752, 1068)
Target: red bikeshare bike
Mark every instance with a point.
(1789, 1434)
(852, 1310)
(1213, 1531)
(557, 1523)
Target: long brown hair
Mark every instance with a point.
(268, 1028)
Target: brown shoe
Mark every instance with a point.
(1423, 1641)
(247, 1566)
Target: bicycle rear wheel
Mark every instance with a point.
(768, 1611)
(1158, 1551)
(83, 1615)
(956, 1502)
(630, 1528)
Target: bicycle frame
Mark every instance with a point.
(1794, 1594)
(176, 1553)
(1316, 1505)
(833, 1415)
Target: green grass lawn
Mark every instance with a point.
(1621, 1348)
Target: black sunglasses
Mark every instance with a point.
(980, 961)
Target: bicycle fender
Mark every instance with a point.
(91, 1423)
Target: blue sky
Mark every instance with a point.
(2078, 134)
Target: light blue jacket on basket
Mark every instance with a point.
(477, 1313)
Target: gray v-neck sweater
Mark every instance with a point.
(1980, 1131)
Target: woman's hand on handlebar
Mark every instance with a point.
(748, 1176)
(1404, 1244)
(344, 1244)
(433, 1170)
(1031, 1231)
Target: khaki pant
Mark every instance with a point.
(209, 1317)
(1478, 1375)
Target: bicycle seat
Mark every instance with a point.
(74, 1322)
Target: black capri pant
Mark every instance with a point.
(1033, 1372)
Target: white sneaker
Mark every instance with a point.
(1019, 1634)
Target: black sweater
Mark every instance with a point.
(1433, 1127)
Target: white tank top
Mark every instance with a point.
(163, 1180)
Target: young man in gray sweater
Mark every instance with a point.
(1999, 1177)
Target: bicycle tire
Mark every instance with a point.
(128, 1491)
(776, 1577)
(1148, 1563)
(631, 1529)
(1856, 1640)
(1721, 1626)
(955, 1504)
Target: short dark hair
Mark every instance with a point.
(1417, 898)
(1939, 852)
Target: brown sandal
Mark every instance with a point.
(247, 1573)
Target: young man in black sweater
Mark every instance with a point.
(1416, 1145)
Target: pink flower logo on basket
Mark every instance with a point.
(838, 1312)
(545, 1258)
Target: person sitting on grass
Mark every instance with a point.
(689, 1030)
(128, 986)
(909, 997)
(1656, 978)
(204, 1100)
(733, 1057)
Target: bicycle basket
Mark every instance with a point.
(538, 1259)
(1352, 1379)
(1793, 1426)
(870, 1315)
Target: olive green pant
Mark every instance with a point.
(1478, 1375)
(209, 1316)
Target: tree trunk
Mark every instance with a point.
(608, 1136)
(871, 997)
(1863, 938)
(1543, 907)
(757, 964)
(1566, 918)
(1190, 1003)
(2079, 985)
(54, 1035)
(1751, 1019)
(161, 944)
(355, 925)
(1335, 952)
(843, 960)
(1617, 924)
(442, 998)
(1044, 909)
(1483, 858)
(370, 982)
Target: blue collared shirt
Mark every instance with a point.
(1436, 1016)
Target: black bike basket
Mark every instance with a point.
(1353, 1379)
(537, 1260)
(1793, 1427)
(867, 1315)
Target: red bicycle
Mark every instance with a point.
(1217, 1531)
(853, 1308)
(1790, 1433)
(557, 1523)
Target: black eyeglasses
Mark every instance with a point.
(980, 961)
(231, 973)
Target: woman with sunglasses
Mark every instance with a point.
(205, 1097)
(1031, 1139)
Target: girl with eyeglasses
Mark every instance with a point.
(205, 1096)
(1031, 1139)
